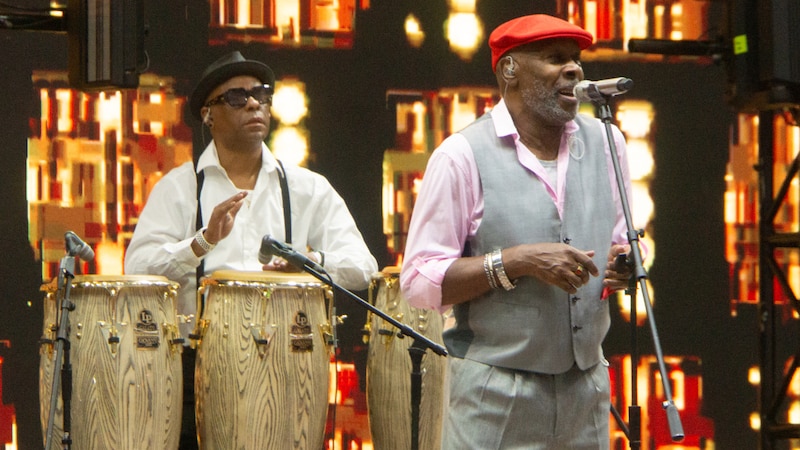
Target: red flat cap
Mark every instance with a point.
(536, 27)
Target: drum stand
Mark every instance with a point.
(633, 431)
(416, 351)
(66, 274)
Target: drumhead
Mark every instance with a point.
(262, 277)
(114, 281)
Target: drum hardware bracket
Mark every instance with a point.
(46, 345)
(388, 335)
(328, 330)
(110, 333)
(172, 335)
(367, 330)
(262, 337)
(327, 335)
(47, 342)
(199, 331)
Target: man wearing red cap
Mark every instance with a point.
(516, 228)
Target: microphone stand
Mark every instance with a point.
(65, 277)
(416, 351)
(633, 431)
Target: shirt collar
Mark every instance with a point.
(504, 125)
(210, 158)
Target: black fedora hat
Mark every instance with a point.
(231, 65)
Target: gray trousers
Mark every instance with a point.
(492, 408)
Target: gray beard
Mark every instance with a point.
(541, 101)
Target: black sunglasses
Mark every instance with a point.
(238, 97)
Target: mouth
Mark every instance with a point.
(567, 91)
(256, 121)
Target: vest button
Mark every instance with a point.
(576, 328)
(575, 299)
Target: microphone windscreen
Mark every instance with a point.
(76, 246)
(265, 253)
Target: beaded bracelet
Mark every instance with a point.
(202, 242)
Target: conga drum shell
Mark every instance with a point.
(261, 377)
(127, 383)
(389, 370)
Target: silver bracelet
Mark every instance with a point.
(202, 242)
(497, 266)
(487, 268)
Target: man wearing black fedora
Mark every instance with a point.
(212, 215)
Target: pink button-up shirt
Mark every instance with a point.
(450, 204)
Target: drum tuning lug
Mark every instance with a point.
(49, 339)
(46, 346)
(110, 334)
(262, 337)
(340, 319)
(366, 332)
(328, 335)
(172, 334)
(199, 331)
(113, 341)
(388, 335)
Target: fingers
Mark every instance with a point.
(223, 216)
(279, 265)
(558, 264)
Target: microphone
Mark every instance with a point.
(75, 246)
(586, 91)
(271, 247)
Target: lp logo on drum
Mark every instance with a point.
(146, 331)
(300, 334)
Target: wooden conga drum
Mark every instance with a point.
(125, 351)
(389, 370)
(261, 376)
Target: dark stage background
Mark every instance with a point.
(350, 127)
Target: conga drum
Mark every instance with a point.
(389, 370)
(263, 358)
(125, 353)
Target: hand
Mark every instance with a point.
(279, 264)
(554, 263)
(617, 276)
(222, 218)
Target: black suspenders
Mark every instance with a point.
(287, 213)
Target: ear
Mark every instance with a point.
(509, 67)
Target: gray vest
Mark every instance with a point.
(537, 327)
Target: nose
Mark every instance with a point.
(573, 69)
(252, 102)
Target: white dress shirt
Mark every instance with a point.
(161, 243)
